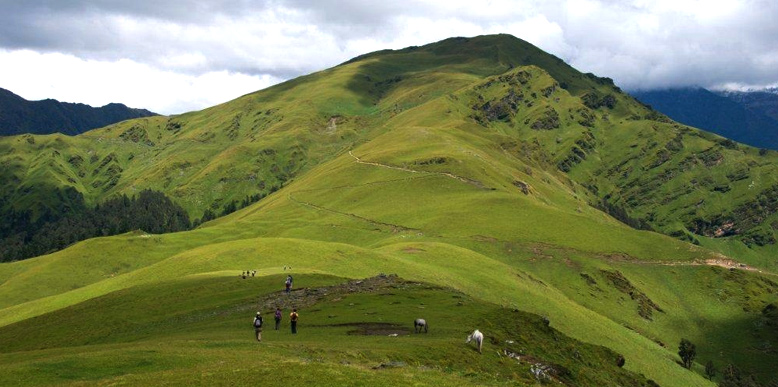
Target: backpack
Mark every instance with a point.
(258, 322)
(278, 315)
(293, 316)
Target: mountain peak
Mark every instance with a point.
(482, 55)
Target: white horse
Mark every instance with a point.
(420, 323)
(478, 337)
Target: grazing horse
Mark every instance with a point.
(478, 337)
(420, 323)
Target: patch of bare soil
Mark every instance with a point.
(302, 298)
(374, 329)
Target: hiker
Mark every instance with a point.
(290, 279)
(287, 286)
(293, 318)
(253, 273)
(478, 337)
(258, 326)
(418, 324)
(278, 318)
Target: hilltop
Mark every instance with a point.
(20, 116)
(482, 165)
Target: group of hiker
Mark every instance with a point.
(259, 322)
(248, 273)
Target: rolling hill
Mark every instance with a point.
(479, 167)
(19, 116)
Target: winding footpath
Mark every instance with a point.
(724, 262)
(446, 174)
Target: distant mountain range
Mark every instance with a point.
(765, 102)
(19, 116)
(747, 117)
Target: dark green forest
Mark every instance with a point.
(23, 236)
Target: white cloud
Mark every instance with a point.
(67, 78)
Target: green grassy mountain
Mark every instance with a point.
(482, 167)
(19, 116)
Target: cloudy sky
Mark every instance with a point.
(172, 56)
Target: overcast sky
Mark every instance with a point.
(174, 56)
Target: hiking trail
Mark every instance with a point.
(446, 174)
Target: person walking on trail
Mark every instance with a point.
(288, 283)
(293, 318)
(278, 318)
(258, 326)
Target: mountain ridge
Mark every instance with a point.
(761, 101)
(19, 116)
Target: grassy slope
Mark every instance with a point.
(439, 204)
(204, 322)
